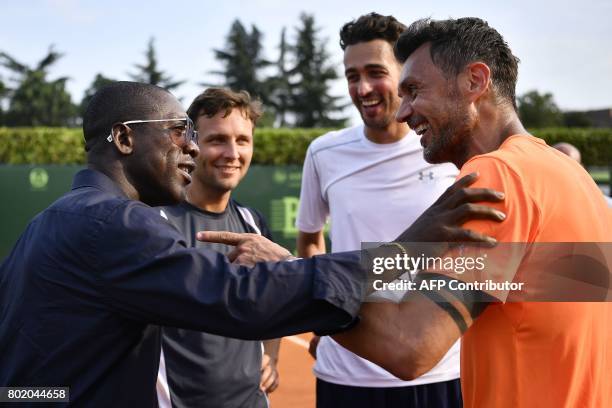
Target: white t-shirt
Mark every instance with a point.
(371, 193)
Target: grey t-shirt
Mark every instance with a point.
(206, 370)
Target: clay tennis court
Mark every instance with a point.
(297, 383)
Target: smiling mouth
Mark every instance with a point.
(229, 169)
(368, 103)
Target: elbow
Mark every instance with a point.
(408, 366)
(408, 373)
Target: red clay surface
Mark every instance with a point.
(297, 383)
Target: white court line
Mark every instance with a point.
(298, 341)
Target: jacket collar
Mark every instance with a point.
(96, 179)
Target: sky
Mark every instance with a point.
(565, 47)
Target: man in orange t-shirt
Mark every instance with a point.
(458, 92)
(539, 353)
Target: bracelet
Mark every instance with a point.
(396, 245)
(402, 251)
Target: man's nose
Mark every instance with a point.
(231, 150)
(405, 111)
(191, 148)
(364, 88)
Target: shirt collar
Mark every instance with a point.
(96, 179)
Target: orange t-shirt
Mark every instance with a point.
(539, 354)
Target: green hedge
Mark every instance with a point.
(284, 145)
(41, 145)
(595, 145)
(272, 146)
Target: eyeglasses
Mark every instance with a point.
(180, 134)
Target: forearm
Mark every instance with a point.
(207, 293)
(377, 337)
(318, 294)
(310, 244)
(271, 348)
(407, 339)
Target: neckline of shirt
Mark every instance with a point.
(409, 139)
(210, 214)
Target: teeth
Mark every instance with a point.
(421, 128)
(370, 103)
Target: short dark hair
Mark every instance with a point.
(370, 27)
(214, 100)
(456, 43)
(119, 102)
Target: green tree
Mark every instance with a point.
(149, 72)
(3, 92)
(576, 119)
(279, 85)
(36, 100)
(539, 110)
(243, 60)
(310, 101)
(99, 82)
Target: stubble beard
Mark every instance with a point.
(378, 124)
(383, 122)
(452, 142)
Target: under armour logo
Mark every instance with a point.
(426, 175)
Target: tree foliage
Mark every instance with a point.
(279, 85)
(35, 100)
(539, 110)
(310, 100)
(298, 93)
(149, 72)
(99, 82)
(242, 59)
(576, 119)
(3, 92)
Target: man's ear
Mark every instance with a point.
(475, 80)
(122, 138)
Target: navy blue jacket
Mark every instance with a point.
(84, 289)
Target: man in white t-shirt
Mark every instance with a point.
(370, 181)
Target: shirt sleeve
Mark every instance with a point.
(147, 273)
(313, 209)
(522, 214)
(502, 263)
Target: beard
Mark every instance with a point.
(451, 144)
(384, 120)
(377, 123)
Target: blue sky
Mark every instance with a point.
(564, 46)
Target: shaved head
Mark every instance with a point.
(120, 102)
(569, 150)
